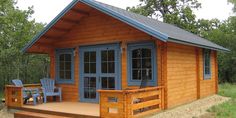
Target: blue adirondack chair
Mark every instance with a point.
(49, 89)
(34, 92)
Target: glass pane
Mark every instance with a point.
(136, 53)
(136, 63)
(68, 65)
(93, 82)
(61, 66)
(146, 53)
(136, 74)
(86, 81)
(90, 87)
(61, 74)
(67, 57)
(68, 75)
(104, 83)
(104, 67)
(104, 56)
(111, 67)
(86, 56)
(147, 74)
(92, 67)
(111, 81)
(86, 92)
(86, 67)
(61, 57)
(92, 56)
(111, 55)
(146, 63)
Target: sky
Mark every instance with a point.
(46, 10)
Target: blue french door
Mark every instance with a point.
(99, 69)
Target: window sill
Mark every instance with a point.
(138, 83)
(65, 82)
(207, 77)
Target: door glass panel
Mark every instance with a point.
(90, 62)
(108, 83)
(108, 61)
(111, 67)
(92, 56)
(90, 87)
(111, 55)
(104, 67)
(104, 55)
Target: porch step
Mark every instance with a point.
(26, 114)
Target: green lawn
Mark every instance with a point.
(227, 109)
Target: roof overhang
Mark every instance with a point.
(132, 22)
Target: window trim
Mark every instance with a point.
(65, 51)
(130, 48)
(206, 76)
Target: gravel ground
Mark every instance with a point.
(196, 109)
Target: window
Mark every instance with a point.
(65, 66)
(141, 64)
(207, 63)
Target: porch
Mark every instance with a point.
(112, 103)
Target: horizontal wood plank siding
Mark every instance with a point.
(207, 87)
(98, 28)
(181, 74)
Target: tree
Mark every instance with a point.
(176, 12)
(234, 3)
(15, 31)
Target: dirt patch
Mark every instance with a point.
(4, 113)
(196, 109)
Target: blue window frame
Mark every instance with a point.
(207, 63)
(65, 66)
(142, 64)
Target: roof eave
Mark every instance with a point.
(52, 23)
(197, 45)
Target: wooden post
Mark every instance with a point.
(164, 73)
(197, 73)
(216, 73)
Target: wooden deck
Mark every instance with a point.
(128, 103)
(72, 109)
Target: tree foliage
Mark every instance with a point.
(176, 12)
(15, 31)
(180, 13)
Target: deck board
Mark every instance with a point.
(87, 109)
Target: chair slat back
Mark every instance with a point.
(48, 84)
(17, 82)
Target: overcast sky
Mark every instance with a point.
(46, 10)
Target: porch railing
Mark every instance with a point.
(14, 95)
(131, 103)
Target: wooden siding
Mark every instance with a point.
(179, 67)
(207, 87)
(185, 81)
(95, 29)
(181, 74)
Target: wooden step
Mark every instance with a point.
(26, 114)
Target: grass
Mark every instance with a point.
(227, 109)
(1, 95)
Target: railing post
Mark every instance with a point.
(13, 96)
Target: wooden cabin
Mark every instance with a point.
(101, 54)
